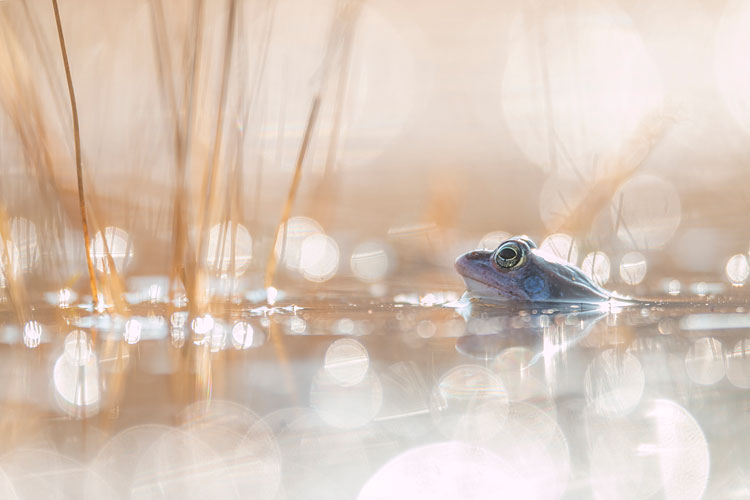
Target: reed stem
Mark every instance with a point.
(271, 265)
(79, 166)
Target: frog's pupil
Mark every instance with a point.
(508, 253)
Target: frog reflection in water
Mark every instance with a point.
(518, 271)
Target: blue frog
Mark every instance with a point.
(518, 271)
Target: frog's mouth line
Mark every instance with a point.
(476, 287)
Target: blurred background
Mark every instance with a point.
(621, 126)
(259, 169)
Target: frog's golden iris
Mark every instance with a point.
(509, 255)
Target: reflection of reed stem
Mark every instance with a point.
(79, 168)
(112, 282)
(271, 266)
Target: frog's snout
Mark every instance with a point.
(468, 263)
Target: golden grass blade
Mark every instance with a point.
(17, 291)
(271, 265)
(79, 166)
(211, 178)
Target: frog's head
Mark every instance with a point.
(517, 270)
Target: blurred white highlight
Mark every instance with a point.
(346, 362)
(469, 402)
(704, 361)
(562, 86)
(737, 269)
(369, 261)
(614, 383)
(560, 246)
(290, 238)
(597, 267)
(115, 240)
(76, 377)
(230, 249)
(132, 333)
(32, 334)
(446, 471)
(319, 257)
(633, 268)
(646, 212)
(242, 335)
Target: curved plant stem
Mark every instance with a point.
(79, 168)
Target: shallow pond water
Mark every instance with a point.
(354, 397)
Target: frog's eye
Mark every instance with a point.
(509, 255)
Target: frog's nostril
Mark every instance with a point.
(471, 260)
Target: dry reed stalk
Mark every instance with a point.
(312, 118)
(254, 101)
(79, 166)
(622, 165)
(210, 181)
(114, 283)
(234, 209)
(46, 57)
(271, 264)
(22, 103)
(327, 186)
(276, 339)
(182, 125)
(115, 352)
(340, 36)
(17, 292)
(193, 53)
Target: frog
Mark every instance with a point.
(518, 271)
